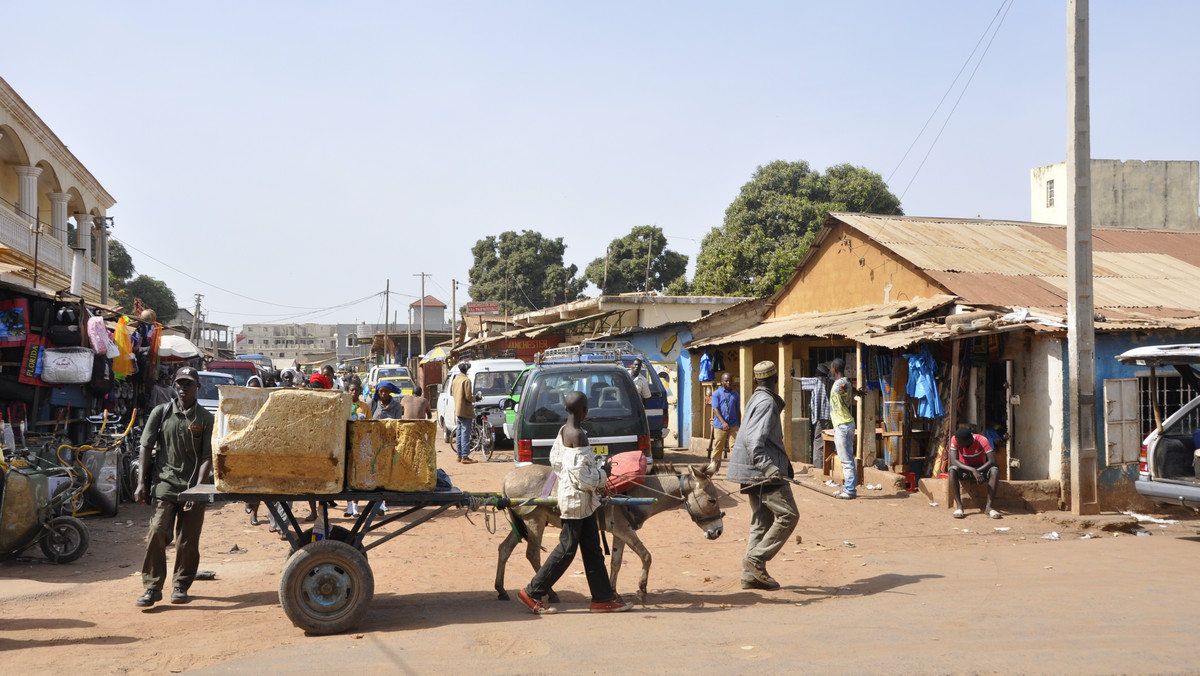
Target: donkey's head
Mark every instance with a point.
(700, 497)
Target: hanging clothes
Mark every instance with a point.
(706, 368)
(123, 363)
(922, 384)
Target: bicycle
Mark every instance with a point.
(483, 436)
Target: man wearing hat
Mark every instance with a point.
(181, 431)
(760, 463)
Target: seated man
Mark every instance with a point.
(972, 456)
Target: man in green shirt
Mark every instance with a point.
(181, 431)
(841, 399)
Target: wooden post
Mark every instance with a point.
(783, 363)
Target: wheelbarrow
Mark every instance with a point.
(30, 502)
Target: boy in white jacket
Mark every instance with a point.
(579, 480)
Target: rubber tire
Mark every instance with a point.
(67, 540)
(335, 533)
(326, 586)
(656, 449)
(489, 444)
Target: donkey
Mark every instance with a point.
(691, 488)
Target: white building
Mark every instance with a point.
(49, 204)
(1135, 195)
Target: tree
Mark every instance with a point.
(528, 268)
(120, 264)
(626, 263)
(773, 220)
(155, 294)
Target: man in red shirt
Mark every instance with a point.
(972, 456)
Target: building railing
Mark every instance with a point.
(51, 253)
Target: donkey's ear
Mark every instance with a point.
(709, 470)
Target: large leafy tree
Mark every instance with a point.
(624, 271)
(771, 223)
(154, 293)
(527, 268)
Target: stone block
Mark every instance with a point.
(393, 455)
(1034, 496)
(280, 441)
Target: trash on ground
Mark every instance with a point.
(933, 504)
(848, 544)
(1144, 533)
(1089, 536)
(206, 575)
(1142, 518)
(236, 550)
(830, 483)
(843, 589)
(1003, 529)
(1052, 535)
(875, 487)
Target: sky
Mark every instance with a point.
(288, 160)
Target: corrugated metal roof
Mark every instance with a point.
(1025, 264)
(848, 323)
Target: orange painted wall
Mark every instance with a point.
(848, 271)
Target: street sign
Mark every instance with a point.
(483, 307)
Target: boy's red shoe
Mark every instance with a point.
(613, 606)
(535, 605)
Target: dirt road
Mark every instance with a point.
(876, 585)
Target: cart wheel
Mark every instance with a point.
(66, 541)
(335, 533)
(326, 586)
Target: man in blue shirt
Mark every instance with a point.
(727, 417)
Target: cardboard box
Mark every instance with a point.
(280, 441)
(393, 455)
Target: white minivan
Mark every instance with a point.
(491, 379)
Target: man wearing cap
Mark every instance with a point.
(181, 431)
(760, 463)
(841, 398)
(464, 410)
(384, 405)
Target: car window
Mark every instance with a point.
(384, 374)
(610, 397)
(491, 383)
(208, 386)
(519, 384)
(240, 376)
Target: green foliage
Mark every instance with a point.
(773, 220)
(154, 294)
(120, 264)
(528, 266)
(627, 263)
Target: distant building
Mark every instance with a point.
(1133, 195)
(49, 204)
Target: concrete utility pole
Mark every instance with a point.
(453, 309)
(387, 297)
(195, 319)
(422, 275)
(1081, 331)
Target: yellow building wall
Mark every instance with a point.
(848, 271)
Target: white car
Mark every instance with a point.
(207, 396)
(490, 378)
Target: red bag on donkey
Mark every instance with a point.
(628, 470)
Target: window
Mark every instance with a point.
(1049, 193)
(250, 341)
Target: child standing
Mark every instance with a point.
(579, 482)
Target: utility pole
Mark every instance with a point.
(422, 275)
(196, 319)
(387, 299)
(453, 308)
(604, 286)
(408, 338)
(1081, 330)
(649, 254)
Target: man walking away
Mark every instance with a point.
(416, 407)
(182, 432)
(727, 416)
(760, 463)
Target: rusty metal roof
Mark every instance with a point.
(1013, 263)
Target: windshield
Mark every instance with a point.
(384, 374)
(208, 386)
(608, 397)
(240, 376)
(491, 383)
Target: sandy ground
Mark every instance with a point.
(909, 588)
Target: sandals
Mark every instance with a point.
(254, 521)
(958, 514)
(993, 514)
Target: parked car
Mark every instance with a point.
(240, 369)
(616, 420)
(514, 395)
(387, 372)
(1169, 464)
(624, 353)
(208, 396)
(492, 379)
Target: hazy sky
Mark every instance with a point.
(299, 154)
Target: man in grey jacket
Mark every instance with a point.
(760, 463)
